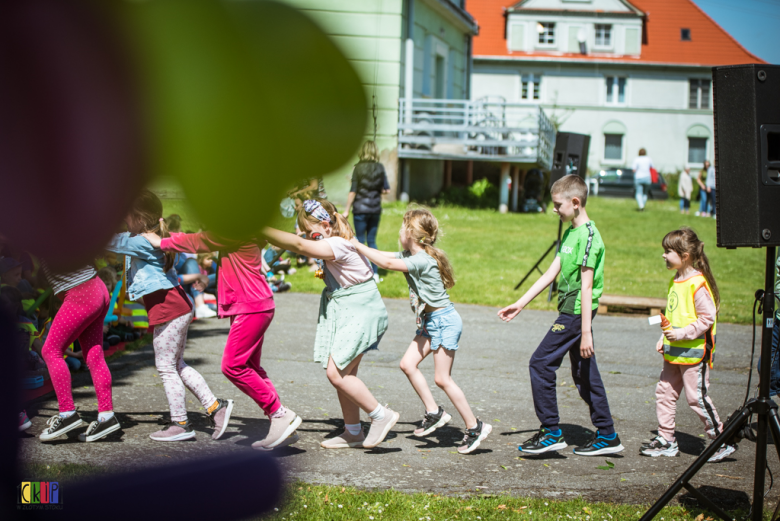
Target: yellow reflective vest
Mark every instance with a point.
(681, 312)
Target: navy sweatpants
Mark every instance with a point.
(564, 336)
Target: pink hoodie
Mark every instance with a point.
(242, 287)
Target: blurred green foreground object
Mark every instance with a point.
(245, 98)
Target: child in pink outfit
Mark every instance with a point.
(244, 296)
(688, 346)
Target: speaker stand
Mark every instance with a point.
(763, 407)
(556, 243)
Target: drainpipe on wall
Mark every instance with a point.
(408, 88)
(469, 64)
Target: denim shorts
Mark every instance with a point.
(443, 327)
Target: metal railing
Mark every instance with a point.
(488, 129)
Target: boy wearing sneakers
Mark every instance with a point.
(580, 262)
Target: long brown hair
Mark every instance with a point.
(685, 240)
(147, 209)
(423, 228)
(338, 222)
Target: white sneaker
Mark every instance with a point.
(376, 278)
(660, 446)
(697, 214)
(204, 312)
(724, 451)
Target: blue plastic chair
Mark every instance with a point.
(110, 317)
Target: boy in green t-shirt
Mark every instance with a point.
(580, 262)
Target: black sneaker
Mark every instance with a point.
(599, 445)
(431, 422)
(98, 429)
(474, 437)
(57, 426)
(543, 441)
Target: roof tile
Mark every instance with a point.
(710, 44)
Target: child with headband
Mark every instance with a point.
(351, 322)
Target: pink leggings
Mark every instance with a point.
(241, 359)
(80, 317)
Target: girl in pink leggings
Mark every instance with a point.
(85, 303)
(244, 296)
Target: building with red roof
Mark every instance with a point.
(630, 73)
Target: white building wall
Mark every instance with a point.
(655, 115)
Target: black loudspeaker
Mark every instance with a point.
(747, 154)
(570, 155)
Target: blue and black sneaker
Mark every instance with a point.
(543, 441)
(600, 444)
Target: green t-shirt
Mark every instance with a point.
(424, 278)
(581, 246)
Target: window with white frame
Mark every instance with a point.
(699, 94)
(546, 32)
(697, 150)
(616, 90)
(603, 35)
(613, 147)
(530, 86)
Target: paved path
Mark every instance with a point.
(491, 367)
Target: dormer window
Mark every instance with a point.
(603, 35)
(546, 33)
(685, 35)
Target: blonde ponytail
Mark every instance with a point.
(423, 228)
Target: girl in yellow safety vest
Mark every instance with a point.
(687, 343)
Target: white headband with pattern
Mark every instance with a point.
(315, 208)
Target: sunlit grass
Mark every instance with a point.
(491, 252)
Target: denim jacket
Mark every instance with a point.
(144, 265)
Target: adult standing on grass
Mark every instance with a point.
(641, 167)
(706, 180)
(369, 182)
(685, 190)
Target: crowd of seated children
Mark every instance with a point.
(27, 340)
(122, 329)
(189, 274)
(277, 284)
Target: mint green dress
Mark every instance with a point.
(352, 321)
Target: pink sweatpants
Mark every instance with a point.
(80, 317)
(695, 379)
(241, 359)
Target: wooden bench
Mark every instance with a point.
(653, 306)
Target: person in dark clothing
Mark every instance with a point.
(369, 182)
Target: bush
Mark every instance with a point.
(481, 194)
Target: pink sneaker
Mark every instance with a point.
(281, 429)
(381, 428)
(174, 431)
(345, 440)
(24, 421)
(219, 419)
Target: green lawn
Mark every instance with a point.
(491, 252)
(314, 502)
